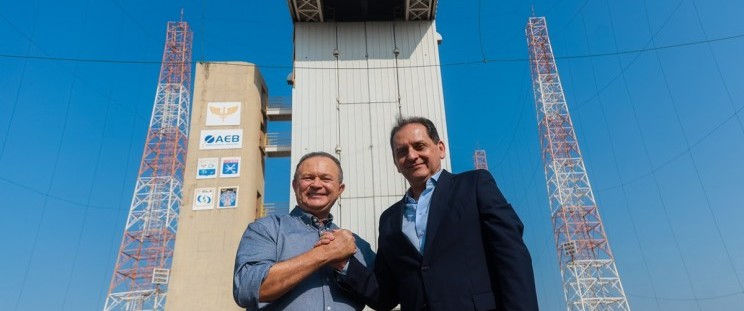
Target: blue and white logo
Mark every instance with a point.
(203, 199)
(221, 139)
(206, 168)
(230, 167)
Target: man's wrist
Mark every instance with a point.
(345, 268)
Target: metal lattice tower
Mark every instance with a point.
(590, 277)
(479, 159)
(140, 279)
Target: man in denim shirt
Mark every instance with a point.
(281, 266)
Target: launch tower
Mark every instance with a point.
(590, 277)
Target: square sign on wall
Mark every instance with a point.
(203, 199)
(223, 113)
(228, 197)
(230, 167)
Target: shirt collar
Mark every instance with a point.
(310, 219)
(431, 181)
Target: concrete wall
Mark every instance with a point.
(207, 238)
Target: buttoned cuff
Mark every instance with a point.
(346, 268)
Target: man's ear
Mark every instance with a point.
(442, 151)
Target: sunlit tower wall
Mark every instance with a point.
(223, 183)
(590, 277)
(140, 279)
(358, 65)
(479, 160)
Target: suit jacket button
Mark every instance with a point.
(424, 268)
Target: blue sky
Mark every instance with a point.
(654, 89)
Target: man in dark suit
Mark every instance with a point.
(452, 243)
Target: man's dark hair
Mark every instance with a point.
(319, 154)
(431, 130)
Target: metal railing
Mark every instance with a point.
(276, 208)
(279, 108)
(281, 102)
(279, 139)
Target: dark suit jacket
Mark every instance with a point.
(474, 256)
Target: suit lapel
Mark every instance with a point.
(397, 227)
(437, 209)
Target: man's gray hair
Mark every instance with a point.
(315, 155)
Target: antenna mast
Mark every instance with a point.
(590, 277)
(140, 279)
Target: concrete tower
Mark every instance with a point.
(223, 184)
(358, 65)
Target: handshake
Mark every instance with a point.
(338, 246)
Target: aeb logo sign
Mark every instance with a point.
(221, 139)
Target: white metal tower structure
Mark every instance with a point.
(479, 159)
(140, 278)
(590, 277)
(358, 65)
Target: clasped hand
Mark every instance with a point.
(339, 244)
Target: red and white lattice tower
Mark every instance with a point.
(479, 159)
(140, 279)
(590, 277)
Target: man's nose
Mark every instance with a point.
(411, 154)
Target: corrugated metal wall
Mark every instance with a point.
(347, 104)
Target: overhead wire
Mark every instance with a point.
(116, 238)
(713, 297)
(516, 126)
(54, 170)
(91, 185)
(480, 31)
(718, 126)
(75, 75)
(622, 72)
(457, 63)
(34, 22)
(718, 67)
(454, 64)
(570, 20)
(695, 167)
(686, 150)
(611, 141)
(636, 57)
(21, 80)
(126, 13)
(56, 197)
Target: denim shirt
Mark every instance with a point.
(274, 239)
